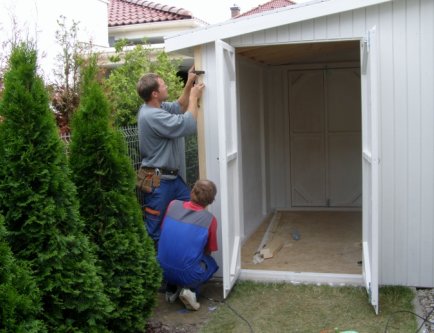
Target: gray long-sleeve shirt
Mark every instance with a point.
(161, 135)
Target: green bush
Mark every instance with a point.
(121, 84)
(104, 177)
(39, 204)
(20, 299)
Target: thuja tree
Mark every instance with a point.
(121, 84)
(38, 201)
(20, 299)
(105, 183)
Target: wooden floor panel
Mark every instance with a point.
(330, 242)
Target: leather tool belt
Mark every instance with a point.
(148, 177)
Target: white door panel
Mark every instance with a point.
(228, 164)
(370, 167)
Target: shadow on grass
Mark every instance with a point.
(280, 307)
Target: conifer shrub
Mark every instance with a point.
(20, 299)
(39, 203)
(104, 177)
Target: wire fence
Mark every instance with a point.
(130, 134)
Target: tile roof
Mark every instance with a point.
(127, 12)
(273, 4)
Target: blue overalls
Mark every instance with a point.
(181, 249)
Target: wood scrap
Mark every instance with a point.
(272, 247)
(258, 257)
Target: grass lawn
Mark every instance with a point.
(280, 307)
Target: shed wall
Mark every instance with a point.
(406, 49)
(251, 102)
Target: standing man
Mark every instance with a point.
(188, 236)
(162, 127)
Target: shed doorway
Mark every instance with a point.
(310, 126)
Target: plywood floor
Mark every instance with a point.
(330, 242)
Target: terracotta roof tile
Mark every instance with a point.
(127, 12)
(273, 4)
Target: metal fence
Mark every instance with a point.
(130, 134)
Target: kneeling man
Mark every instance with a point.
(188, 236)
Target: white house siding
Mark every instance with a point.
(37, 21)
(406, 45)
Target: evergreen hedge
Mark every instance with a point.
(20, 299)
(105, 181)
(39, 204)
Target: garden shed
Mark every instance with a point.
(314, 110)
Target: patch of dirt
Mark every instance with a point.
(175, 318)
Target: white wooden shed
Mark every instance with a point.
(326, 105)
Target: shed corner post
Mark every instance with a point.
(200, 118)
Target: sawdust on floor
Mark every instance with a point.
(329, 242)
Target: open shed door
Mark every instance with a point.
(228, 163)
(370, 166)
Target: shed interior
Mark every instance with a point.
(300, 124)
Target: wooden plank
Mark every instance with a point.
(272, 247)
(258, 257)
(200, 117)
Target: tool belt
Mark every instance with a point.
(148, 177)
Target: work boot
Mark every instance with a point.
(189, 299)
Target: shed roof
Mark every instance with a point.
(264, 20)
(127, 12)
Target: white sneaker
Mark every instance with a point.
(189, 299)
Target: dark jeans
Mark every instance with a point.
(156, 203)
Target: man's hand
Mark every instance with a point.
(191, 79)
(195, 94)
(196, 91)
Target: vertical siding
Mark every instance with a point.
(308, 30)
(359, 22)
(333, 26)
(320, 28)
(414, 140)
(346, 23)
(250, 92)
(295, 32)
(387, 107)
(426, 232)
(400, 193)
(406, 35)
(277, 125)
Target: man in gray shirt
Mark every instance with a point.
(162, 127)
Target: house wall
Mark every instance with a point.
(405, 30)
(37, 21)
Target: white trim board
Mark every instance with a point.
(302, 277)
(262, 21)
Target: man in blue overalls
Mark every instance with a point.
(188, 236)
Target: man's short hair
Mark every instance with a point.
(147, 84)
(203, 192)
